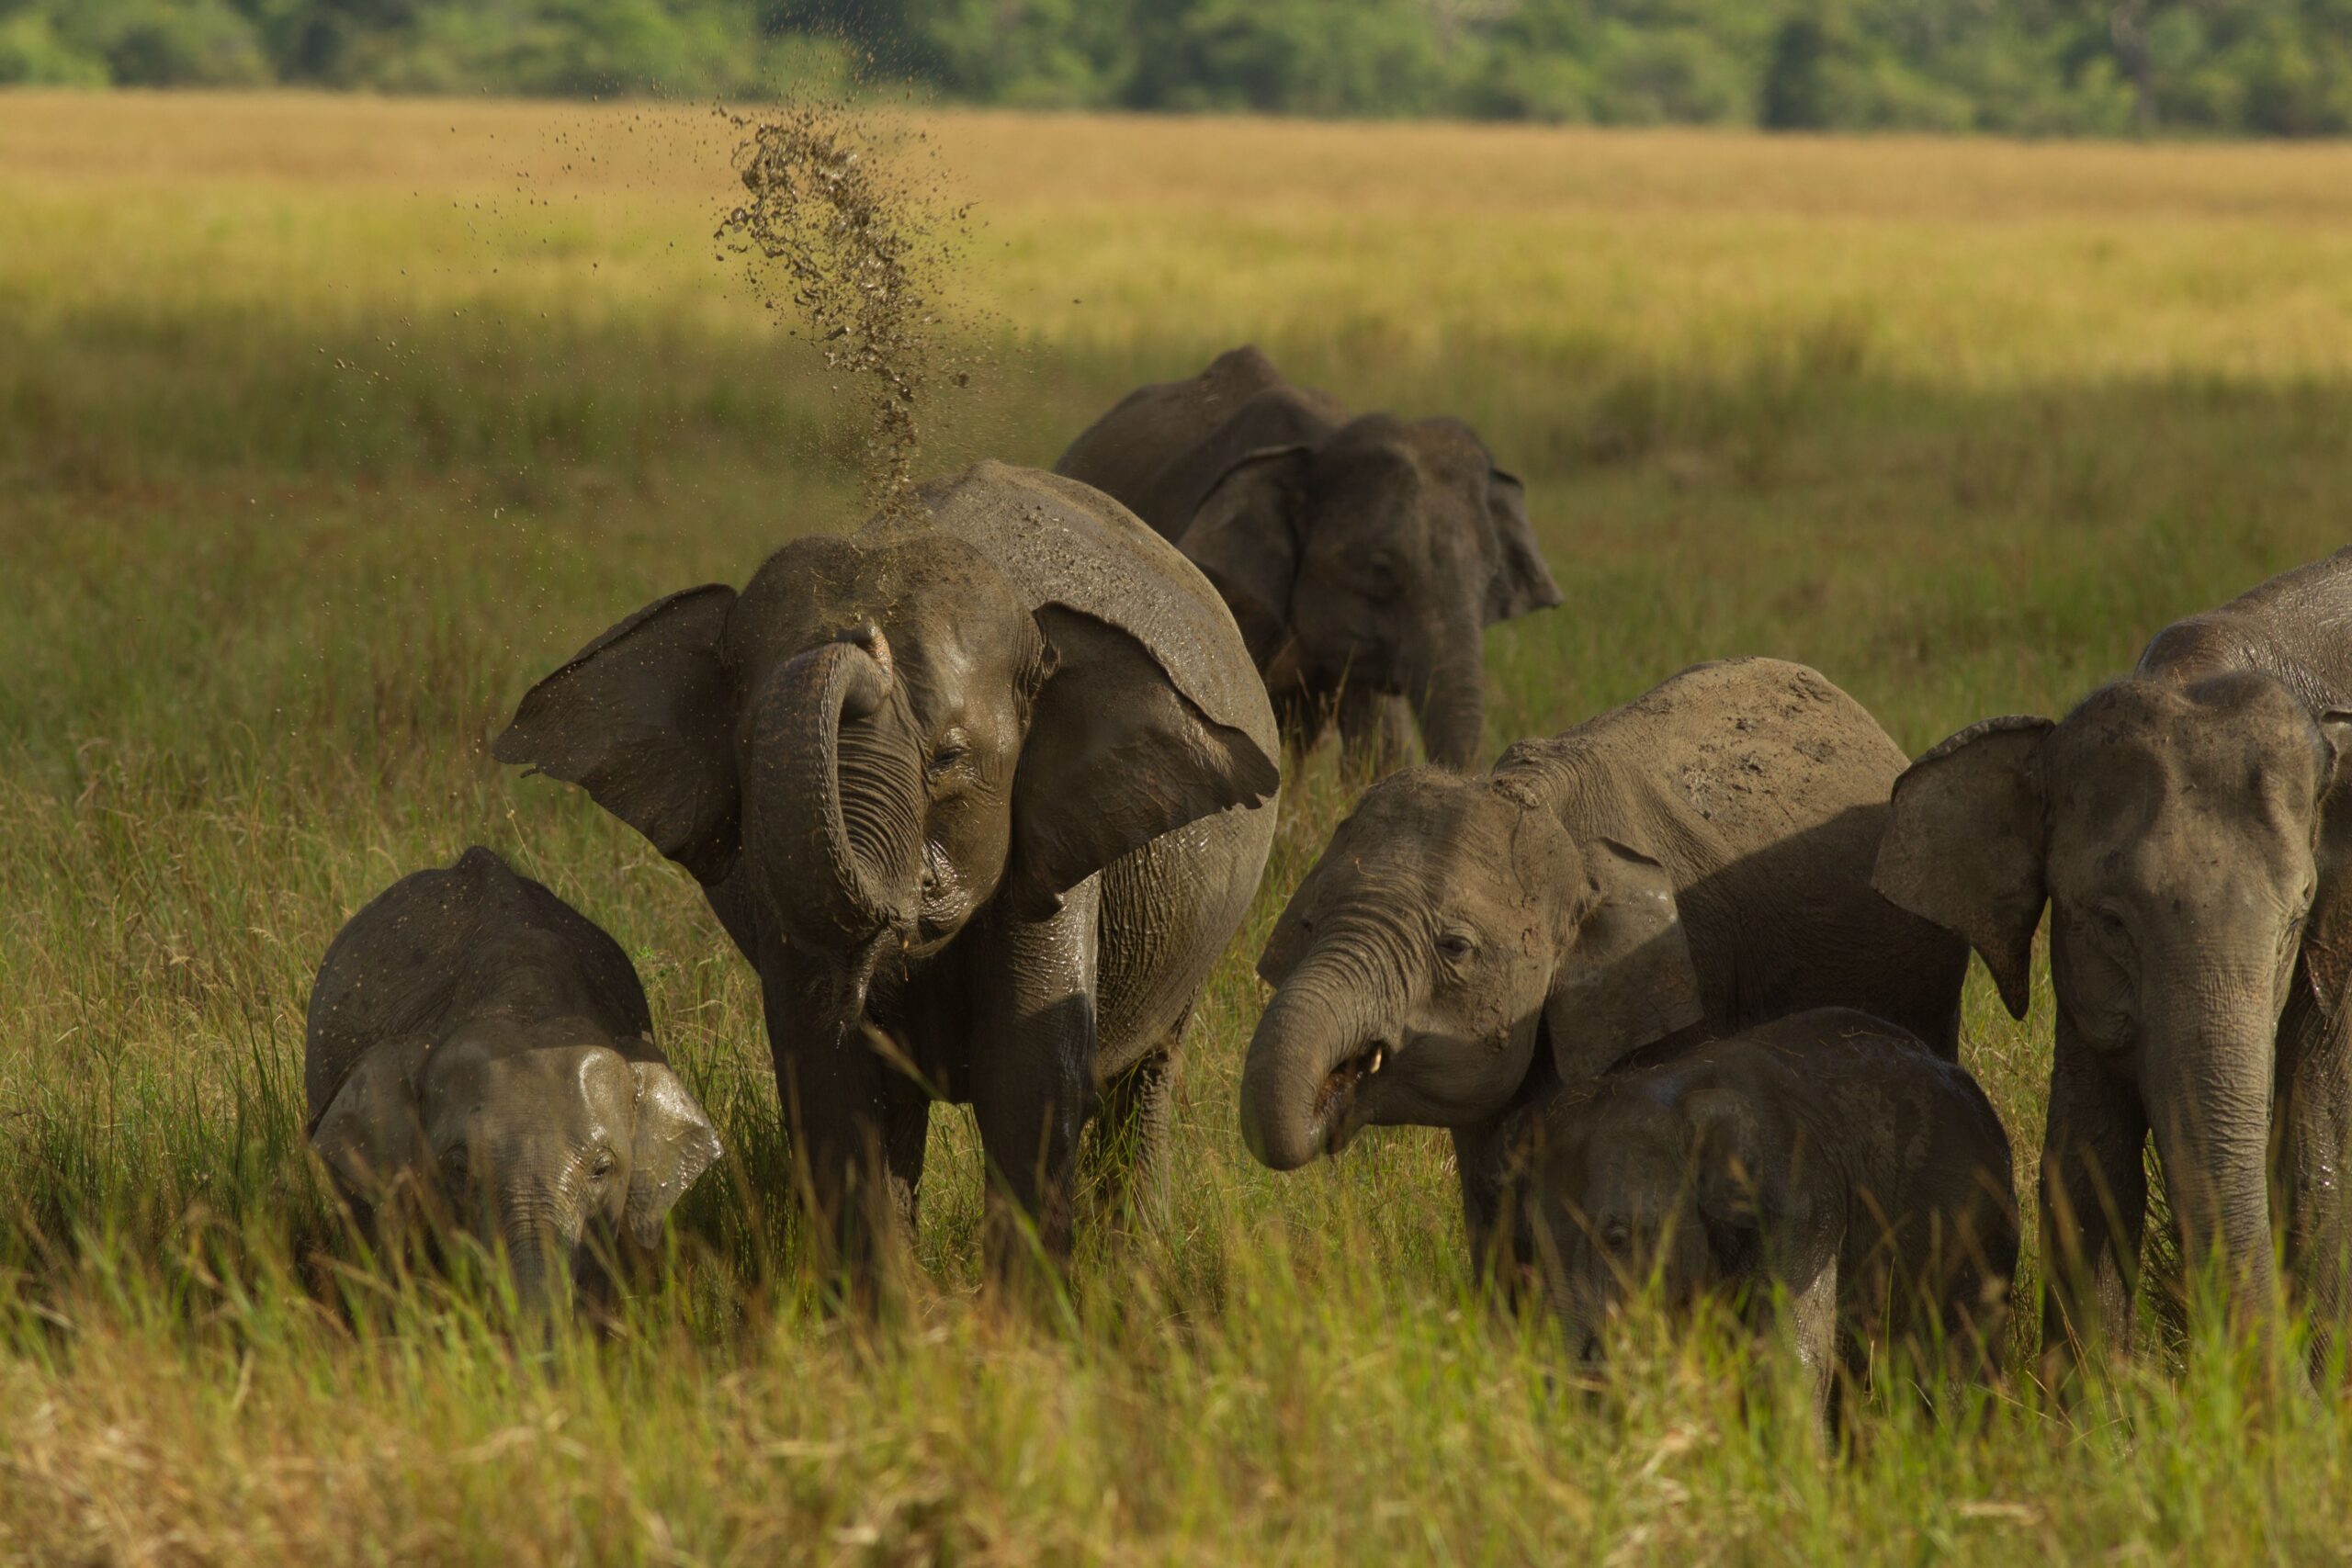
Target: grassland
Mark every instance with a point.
(326, 425)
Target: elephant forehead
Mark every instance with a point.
(1444, 826)
(891, 574)
(2140, 746)
(1060, 542)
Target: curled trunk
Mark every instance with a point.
(1317, 1021)
(844, 839)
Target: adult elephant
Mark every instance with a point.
(1363, 557)
(1694, 862)
(2188, 828)
(981, 791)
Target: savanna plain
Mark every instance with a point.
(326, 425)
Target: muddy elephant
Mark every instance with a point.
(981, 791)
(2188, 828)
(477, 1044)
(1363, 556)
(1827, 1159)
(1692, 863)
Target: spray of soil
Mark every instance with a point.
(855, 246)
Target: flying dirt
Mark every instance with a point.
(853, 245)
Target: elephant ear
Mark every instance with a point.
(2327, 941)
(1244, 537)
(673, 1144)
(642, 719)
(1966, 838)
(1117, 755)
(371, 1133)
(1522, 582)
(1627, 979)
(1151, 715)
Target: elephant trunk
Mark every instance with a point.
(1295, 1093)
(2208, 1092)
(846, 843)
(1450, 699)
(539, 1246)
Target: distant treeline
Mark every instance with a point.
(2027, 67)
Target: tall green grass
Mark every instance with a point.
(309, 464)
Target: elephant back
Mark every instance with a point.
(1155, 426)
(1741, 750)
(1762, 788)
(1061, 542)
(438, 946)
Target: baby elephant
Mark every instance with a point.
(1829, 1153)
(478, 1042)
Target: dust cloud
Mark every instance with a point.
(848, 238)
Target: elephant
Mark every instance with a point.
(2188, 828)
(1691, 864)
(1363, 557)
(1826, 1159)
(476, 1043)
(980, 790)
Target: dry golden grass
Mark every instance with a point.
(327, 424)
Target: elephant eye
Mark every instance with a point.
(946, 755)
(603, 1166)
(1455, 947)
(1616, 1236)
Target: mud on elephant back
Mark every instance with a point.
(2190, 830)
(981, 791)
(1364, 556)
(1692, 863)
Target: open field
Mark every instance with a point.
(326, 425)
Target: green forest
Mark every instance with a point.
(2014, 67)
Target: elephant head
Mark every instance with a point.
(1451, 927)
(535, 1136)
(1634, 1184)
(2179, 833)
(886, 735)
(1372, 555)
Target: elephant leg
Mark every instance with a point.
(1812, 1323)
(1375, 727)
(1033, 1076)
(2094, 1206)
(1131, 1131)
(2314, 1108)
(847, 1114)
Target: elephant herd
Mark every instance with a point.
(982, 791)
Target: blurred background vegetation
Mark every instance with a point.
(2014, 67)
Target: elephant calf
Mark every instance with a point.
(1363, 556)
(477, 1041)
(1827, 1157)
(1692, 863)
